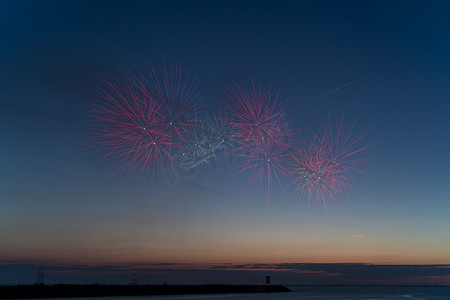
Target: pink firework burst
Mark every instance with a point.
(326, 167)
(139, 117)
(255, 113)
(258, 124)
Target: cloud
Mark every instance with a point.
(349, 271)
(358, 235)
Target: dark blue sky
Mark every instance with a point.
(60, 206)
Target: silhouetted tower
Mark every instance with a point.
(267, 280)
(40, 276)
(134, 279)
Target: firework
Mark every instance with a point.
(141, 116)
(254, 112)
(176, 92)
(258, 123)
(210, 137)
(269, 159)
(325, 168)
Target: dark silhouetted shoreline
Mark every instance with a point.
(68, 290)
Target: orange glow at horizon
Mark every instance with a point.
(234, 252)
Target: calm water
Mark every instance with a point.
(317, 293)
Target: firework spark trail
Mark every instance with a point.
(325, 168)
(341, 87)
(133, 119)
(258, 123)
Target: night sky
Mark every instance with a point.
(68, 212)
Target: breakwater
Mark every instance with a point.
(67, 290)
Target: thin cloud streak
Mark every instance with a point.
(358, 235)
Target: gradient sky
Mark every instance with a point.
(66, 213)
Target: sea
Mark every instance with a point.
(312, 292)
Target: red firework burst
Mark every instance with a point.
(325, 168)
(255, 114)
(258, 123)
(140, 116)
